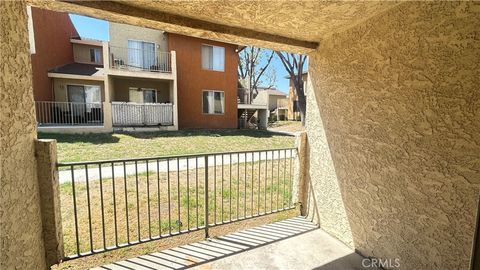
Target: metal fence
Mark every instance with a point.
(52, 113)
(112, 204)
(135, 59)
(142, 114)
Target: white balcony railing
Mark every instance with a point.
(140, 60)
(142, 114)
(52, 113)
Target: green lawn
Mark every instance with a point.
(84, 147)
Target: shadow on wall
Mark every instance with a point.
(325, 203)
(395, 146)
(351, 261)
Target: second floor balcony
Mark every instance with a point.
(140, 59)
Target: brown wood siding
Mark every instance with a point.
(192, 80)
(53, 31)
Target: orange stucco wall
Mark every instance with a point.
(192, 79)
(53, 31)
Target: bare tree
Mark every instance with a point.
(294, 65)
(254, 69)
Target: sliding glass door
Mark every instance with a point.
(141, 54)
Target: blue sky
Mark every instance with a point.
(98, 29)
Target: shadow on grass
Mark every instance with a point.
(206, 132)
(106, 138)
(93, 138)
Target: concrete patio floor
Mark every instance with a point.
(294, 243)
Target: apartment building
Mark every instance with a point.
(142, 79)
(287, 108)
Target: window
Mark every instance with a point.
(141, 54)
(142, 95)
(213, 102)
(95, 55)
(213, 57)
(149, 96)
(85, 94)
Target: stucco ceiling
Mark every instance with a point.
(302, 20)
(296, 26)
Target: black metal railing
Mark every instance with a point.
(112, 204)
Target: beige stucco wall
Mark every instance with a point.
(264, 98)
(81, 53)
(121, 33)
(261, 98)
(60, 87)
(272, 101)
(394, 134)
(21, 244)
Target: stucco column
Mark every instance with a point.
(262, 119)
(300, 186)
(107, 105)
(46, 152)
(174, 89)
(21, 241)
(106, 55)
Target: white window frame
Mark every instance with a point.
(214, 113)
(213, 47)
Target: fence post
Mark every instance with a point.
(300, 174)
(206, 197)
(46, 154)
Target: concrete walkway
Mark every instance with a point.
(290, 244)
(80, 174)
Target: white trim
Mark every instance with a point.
(87, 42)
(75, 76)
(31, 32)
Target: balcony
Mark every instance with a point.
(142, 114)
(52, 113)
(144, 61)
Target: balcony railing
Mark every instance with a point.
(52, 113)
(112, 204)
(140, 60)
(142, 114)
